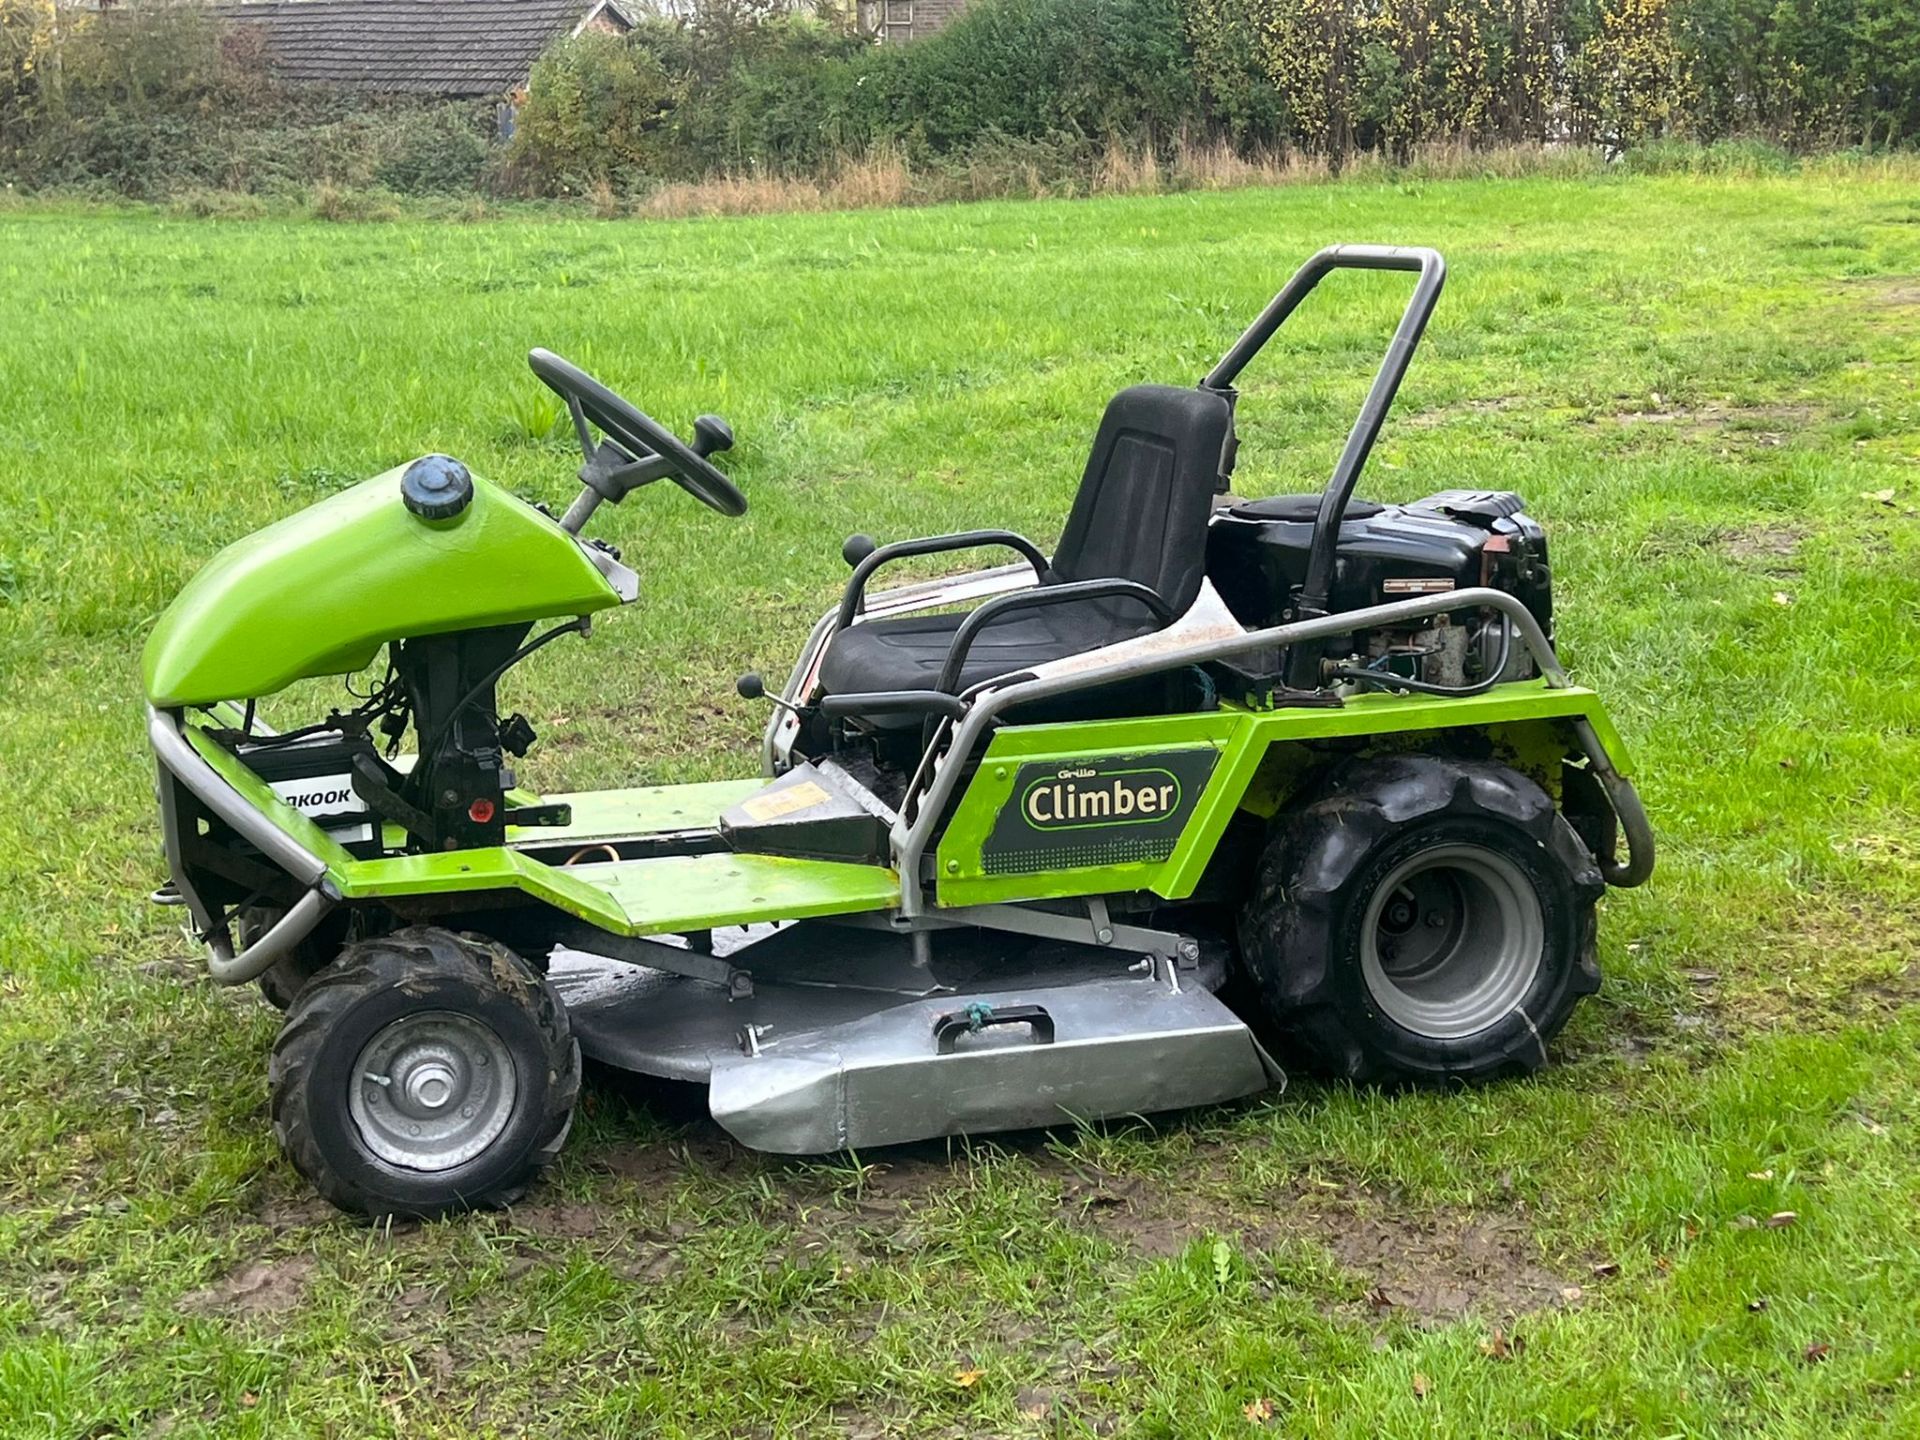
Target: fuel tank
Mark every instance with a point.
(320, 592)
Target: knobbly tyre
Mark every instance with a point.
(1215, 785)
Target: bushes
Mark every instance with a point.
(596, 114)
(1016, 95)
(1030, 69)
(164, 101)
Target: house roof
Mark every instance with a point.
(430, 47)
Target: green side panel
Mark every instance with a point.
(649, 810)
(319, 592)
(964, 863)
(1242, 738)
(259, 794)
(698, 892)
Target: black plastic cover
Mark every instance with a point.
(1257, 553)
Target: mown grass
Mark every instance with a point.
(1704, 387)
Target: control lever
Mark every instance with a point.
(751, 687)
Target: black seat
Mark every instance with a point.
(1140, 515)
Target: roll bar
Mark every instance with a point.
(1427, 264)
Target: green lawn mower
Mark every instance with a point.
(1217, 784)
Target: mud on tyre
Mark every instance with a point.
(421, 1073)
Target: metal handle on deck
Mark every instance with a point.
(948, 1029)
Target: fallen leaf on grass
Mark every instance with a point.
(1780, 1219)
(1781, 597)
(1759, 1174)
(1885, 497)
(1571, 1293)
(1379, 1299)
(1501, 1346)
(1258, 1411)
(1816, 1352)
(1605, 1269)
(967, 1378)
(1421, 1385)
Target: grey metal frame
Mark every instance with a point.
(178, 760)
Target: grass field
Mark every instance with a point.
(1704, 1220)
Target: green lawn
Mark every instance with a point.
(1703, 1220)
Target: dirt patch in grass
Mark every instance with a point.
(1464, 410)
(1765, 426)
(1829, 959)
(1432, 1265)
(1891, 290)
(1773, 547)
(257, 1289)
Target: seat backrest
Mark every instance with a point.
(1142, 510)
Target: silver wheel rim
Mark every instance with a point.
(431, 1091)
(1452, 941)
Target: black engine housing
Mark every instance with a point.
(1455, 540)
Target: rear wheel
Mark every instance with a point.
(424, 1072)
(1424, 918)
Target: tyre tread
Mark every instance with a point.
(367, 966)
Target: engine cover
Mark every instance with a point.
(1458, 539)
(1257, 553)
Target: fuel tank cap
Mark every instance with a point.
(436, 487)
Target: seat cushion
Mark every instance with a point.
(908, 653)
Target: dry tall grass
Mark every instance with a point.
(884, 178)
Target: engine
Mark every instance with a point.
(1257, 559)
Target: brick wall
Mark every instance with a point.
(895, 21)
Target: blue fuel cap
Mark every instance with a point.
(436, 487)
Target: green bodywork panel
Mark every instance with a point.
(1252, 757)
(319, 592)
(1245, 743)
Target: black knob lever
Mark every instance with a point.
(856, 549)
(711, 435)
(751, 687)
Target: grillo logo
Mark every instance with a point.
(1078, 796)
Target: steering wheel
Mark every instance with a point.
(641, 436)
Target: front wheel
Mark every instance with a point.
(1425, 918)
(422, 1073)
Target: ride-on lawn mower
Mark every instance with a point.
(1110, 831)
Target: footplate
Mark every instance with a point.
(983, 1040)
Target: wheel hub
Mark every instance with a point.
(431, 1091)
(1452, 941)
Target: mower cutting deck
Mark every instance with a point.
(1015, 830)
